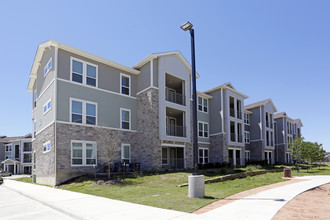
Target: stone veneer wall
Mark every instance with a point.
(45, 161)
(65, 133)
(149, 151)
(217, 148)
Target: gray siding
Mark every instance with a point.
(155, 72)
(280, 130)
(214, 109)
(108, 77)
(108, 104)
(143, 81)
(203, 117)
(254, 124)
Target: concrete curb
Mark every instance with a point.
(49, 204)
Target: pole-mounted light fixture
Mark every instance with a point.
(186, 26)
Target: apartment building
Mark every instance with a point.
(145, 112)
(260, 118)
(297, 125)
(16, 154)
(283, 137)
(227, 128)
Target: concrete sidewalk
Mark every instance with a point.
(263, 205)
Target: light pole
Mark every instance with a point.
(188, 26)
(196, 184)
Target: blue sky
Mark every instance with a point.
(267, 49)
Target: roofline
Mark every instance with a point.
(156, 55)
(265, 101)
(204, 95)
(247, 111)
(298, 119)
(53, 43)
(284, 116)
(224, 86)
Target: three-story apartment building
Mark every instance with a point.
(284, 137)
(227, 127)
(262, 131)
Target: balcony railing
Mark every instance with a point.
(174, 97)
(240, 138)
(239, 115)
(175, 130)
(27, 160)
(27, 148)
(232, 112)
(173, 163)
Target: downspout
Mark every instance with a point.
(222, 115)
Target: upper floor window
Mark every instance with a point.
(247, 137)
(125, 116)
(202, 104)
(203, 129)
(47, 146)
(125, 84)
(83, 72)
(239, 108)
(47, 106)
(83, 153)
(8, 148)
(48, 66)
(83, 112)
(246, 119)
(125, 153)
(267, 120)
(232, 106)
(271, 120)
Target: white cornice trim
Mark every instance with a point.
(94, 126)
(150, 87)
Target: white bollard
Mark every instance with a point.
(196, 186)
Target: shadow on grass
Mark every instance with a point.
(209, 197)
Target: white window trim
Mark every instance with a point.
(84, 73)
(247, 121)
(84, 113)
(46, 67)
(208, 129)
(121, 86)
(43, 107)
(203, 156)
(130, 121)
(207, 106)
(245, 132)
(43, 146)
(249, 153)
(84, 153)
(122, 152)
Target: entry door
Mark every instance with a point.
(172, 126)
(231, 157)
(238, 158)
(173, 158)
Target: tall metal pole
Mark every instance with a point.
(195, 147)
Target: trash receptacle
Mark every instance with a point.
(287, 172)
(34, 178)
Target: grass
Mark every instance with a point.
(162, 191)
(24, 179)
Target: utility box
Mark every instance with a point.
(34, 178)
(287, 172)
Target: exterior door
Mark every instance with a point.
(172, 158)
(172, 126)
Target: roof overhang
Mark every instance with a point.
(261, 103)
(10, 162)
(156, 55)
(204, 95)
(228, 86)
(51, 43)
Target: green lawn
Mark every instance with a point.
(162, 191)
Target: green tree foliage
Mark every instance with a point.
(296, 149)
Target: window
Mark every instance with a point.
(247, 137)
(203, 155)
(47, 146)
(232, 106)
(239, 133)
(83, 112)
(267, 121)
(271, 120)
(83, 153)
(267, 138)
(125, 153)
(271, 139)
(83, 72)
(203, 129)
(164, 156)
(239, 108)
(48, 67)
(247, 155)
(202, 104)
(246, 119)
(47, 106)
(35, 99)
(125, 84)
(125, 115)
(8, 148)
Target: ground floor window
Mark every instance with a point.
(268, 156)
(83, 153)
(164, 156)
(125, 153)
(247, 155)
(203, 155)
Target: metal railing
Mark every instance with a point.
(175, 130)
(174, 97)
(174, 164)
(240, 138)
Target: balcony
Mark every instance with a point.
(239, 115)
(232, 112)
(232, 137)
(175, 123)
(27, 147)
(174, 90)
(172, 96)
(240, 138)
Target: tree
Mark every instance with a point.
(312, 152)
(297, 145)
(110, 147)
